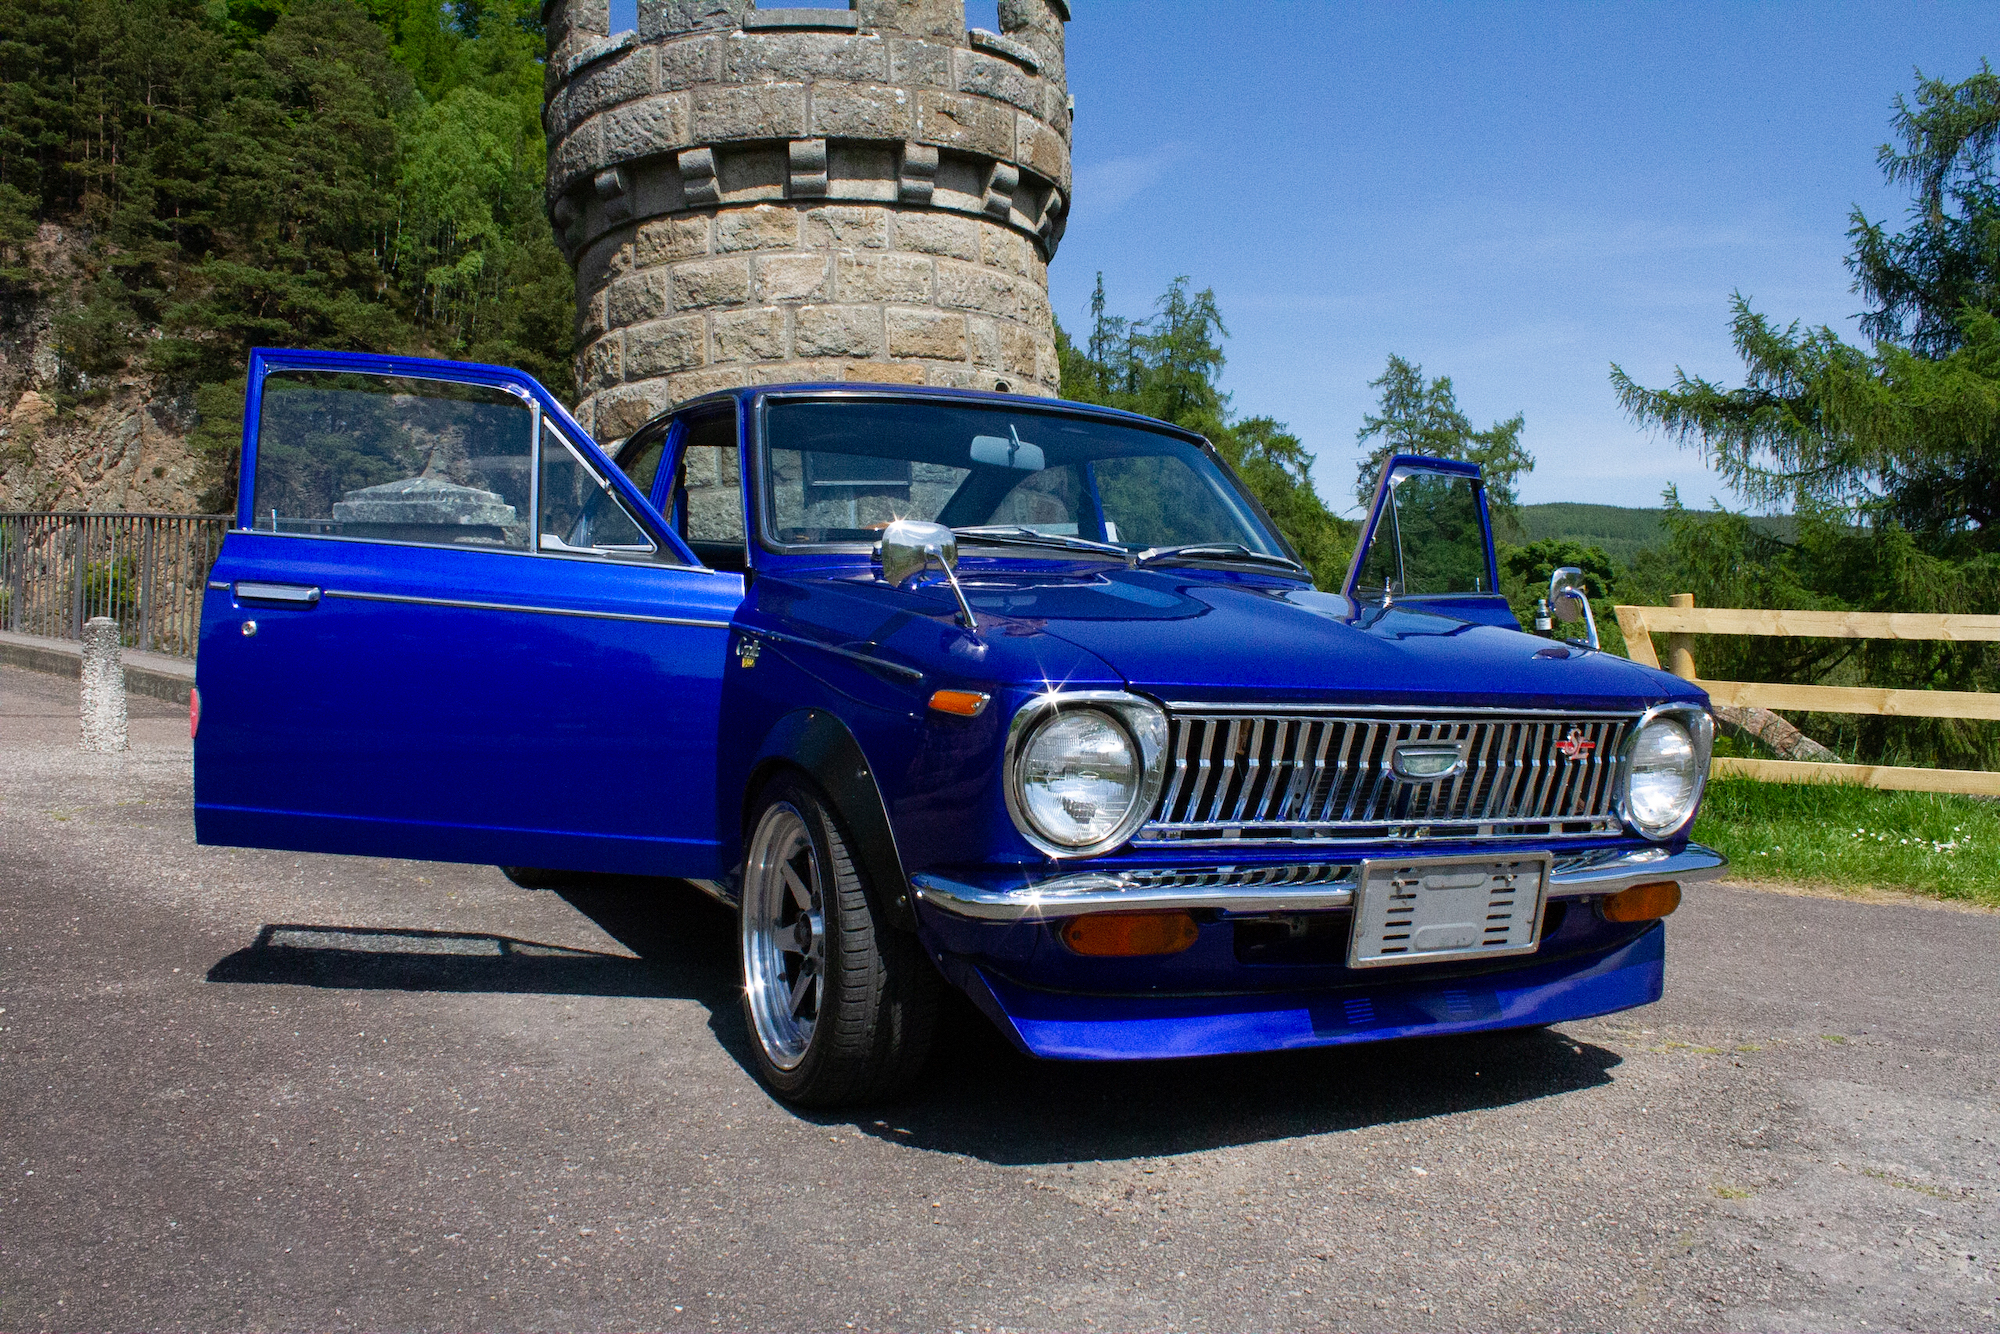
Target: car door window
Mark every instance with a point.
(712, 482)
(639, 459)
(578, 511)
(393, 459)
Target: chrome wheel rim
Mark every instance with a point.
(784, 934)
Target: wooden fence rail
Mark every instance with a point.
(1684, 619)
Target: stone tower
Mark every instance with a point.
(753, 196)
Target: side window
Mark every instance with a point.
(393, 459)
(1428, 539)
(579, 513)
(639, 458)
(712, 481)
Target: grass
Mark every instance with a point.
(1944, 847)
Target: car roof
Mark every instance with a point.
(875, 389)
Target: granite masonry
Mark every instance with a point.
(753, 196)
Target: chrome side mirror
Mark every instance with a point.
(1569, 601)
(909, 547)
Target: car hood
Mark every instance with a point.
(1204, 635)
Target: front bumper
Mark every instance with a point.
(1304, 887)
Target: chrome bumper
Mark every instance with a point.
(1275, 889)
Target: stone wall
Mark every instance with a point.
(806, 194)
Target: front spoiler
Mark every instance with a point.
(1276, 889)
(1066, 1026)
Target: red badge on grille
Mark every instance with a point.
(1575, 744)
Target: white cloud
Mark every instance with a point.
(1106, 186)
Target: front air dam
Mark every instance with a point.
(1067, 1026)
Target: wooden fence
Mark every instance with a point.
(1684, 619)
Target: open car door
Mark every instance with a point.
(1429, 542)
(444, 626)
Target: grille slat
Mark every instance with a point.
(1306, 776)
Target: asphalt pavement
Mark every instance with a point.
(259, 1090)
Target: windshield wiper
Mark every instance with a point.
(1216, 551)
(1019, 535)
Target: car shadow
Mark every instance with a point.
(978, 1096)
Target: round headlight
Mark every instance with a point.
(1078, 775)
(1664, 781)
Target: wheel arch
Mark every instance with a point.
(818, 744)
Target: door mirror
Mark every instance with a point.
(1569, 601)
(911, 546)
(1427, 534)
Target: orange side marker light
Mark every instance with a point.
(1124, 934)
(960, 703)
(1642, 903)
(194, 712)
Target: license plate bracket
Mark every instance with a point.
(1436, 909)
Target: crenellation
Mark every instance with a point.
(752, 197)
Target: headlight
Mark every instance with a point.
(1083, 769)
(1666, 764)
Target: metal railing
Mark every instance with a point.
(146, 571)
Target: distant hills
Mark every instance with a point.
(1622, 533)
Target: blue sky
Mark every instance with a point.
(1513, 195)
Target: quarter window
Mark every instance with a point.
(579, 511)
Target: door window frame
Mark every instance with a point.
(668, 548)
(1376, 510)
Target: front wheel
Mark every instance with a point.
(840, 1005)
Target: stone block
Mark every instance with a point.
(635, 300)
(792, 278)
(589, 318)
(616, 413)
(1007, 48)
(760, 111)
(918, 18)
(903, 279)
(1041, 150)
(1002, 179)
(745, 173)
(685, 63)
(750, 335)
(668, 18)
(946, 375)
(861, 111)
(670, 239)
(765, 20)
(882, 372)
(938, 234)
(920, 64)
(1048, 362)
(760, 227)
(847, 227)
(937, 334)
(693, 384)
(622, 80)
(1003, 248)
(837, 331)
(983, 335)
(967, 124)
(711, 282)
(600, 365)
(575, 155)
(990, 76)
(988, 291)
(664, 346)
(779, 56)
(1017, 351)
(638, 129)
(916, 173)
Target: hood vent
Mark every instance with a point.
(1307, 777)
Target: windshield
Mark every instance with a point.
(837, 471)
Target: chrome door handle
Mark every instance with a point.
(290, 595)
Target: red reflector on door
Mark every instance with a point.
(194, 712)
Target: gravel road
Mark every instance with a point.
(261, 1090)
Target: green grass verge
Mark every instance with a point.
(1855, 837)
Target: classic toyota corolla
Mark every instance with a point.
(941, 688)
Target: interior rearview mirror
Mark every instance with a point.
(1001, 452)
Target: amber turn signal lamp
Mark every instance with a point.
(194, 712)
(1642, 903)
(1125, 934)
(960, 703)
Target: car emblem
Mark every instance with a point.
(1424, 764)
(1575, 745)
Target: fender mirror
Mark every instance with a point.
(909, 547)
(1569, 600)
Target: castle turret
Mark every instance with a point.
(753, 196)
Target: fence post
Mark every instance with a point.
(79, 554)
(147, 583)
(102, 701)
(1680, 647)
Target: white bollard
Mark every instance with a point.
(103, 708)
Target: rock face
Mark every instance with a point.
(806, 194)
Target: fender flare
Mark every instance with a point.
(820, 744)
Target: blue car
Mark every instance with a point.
(941, 689)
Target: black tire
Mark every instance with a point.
(873, 998)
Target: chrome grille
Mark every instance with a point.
(1315, 776)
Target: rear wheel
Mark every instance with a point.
(537, 877)
(841, 1006)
